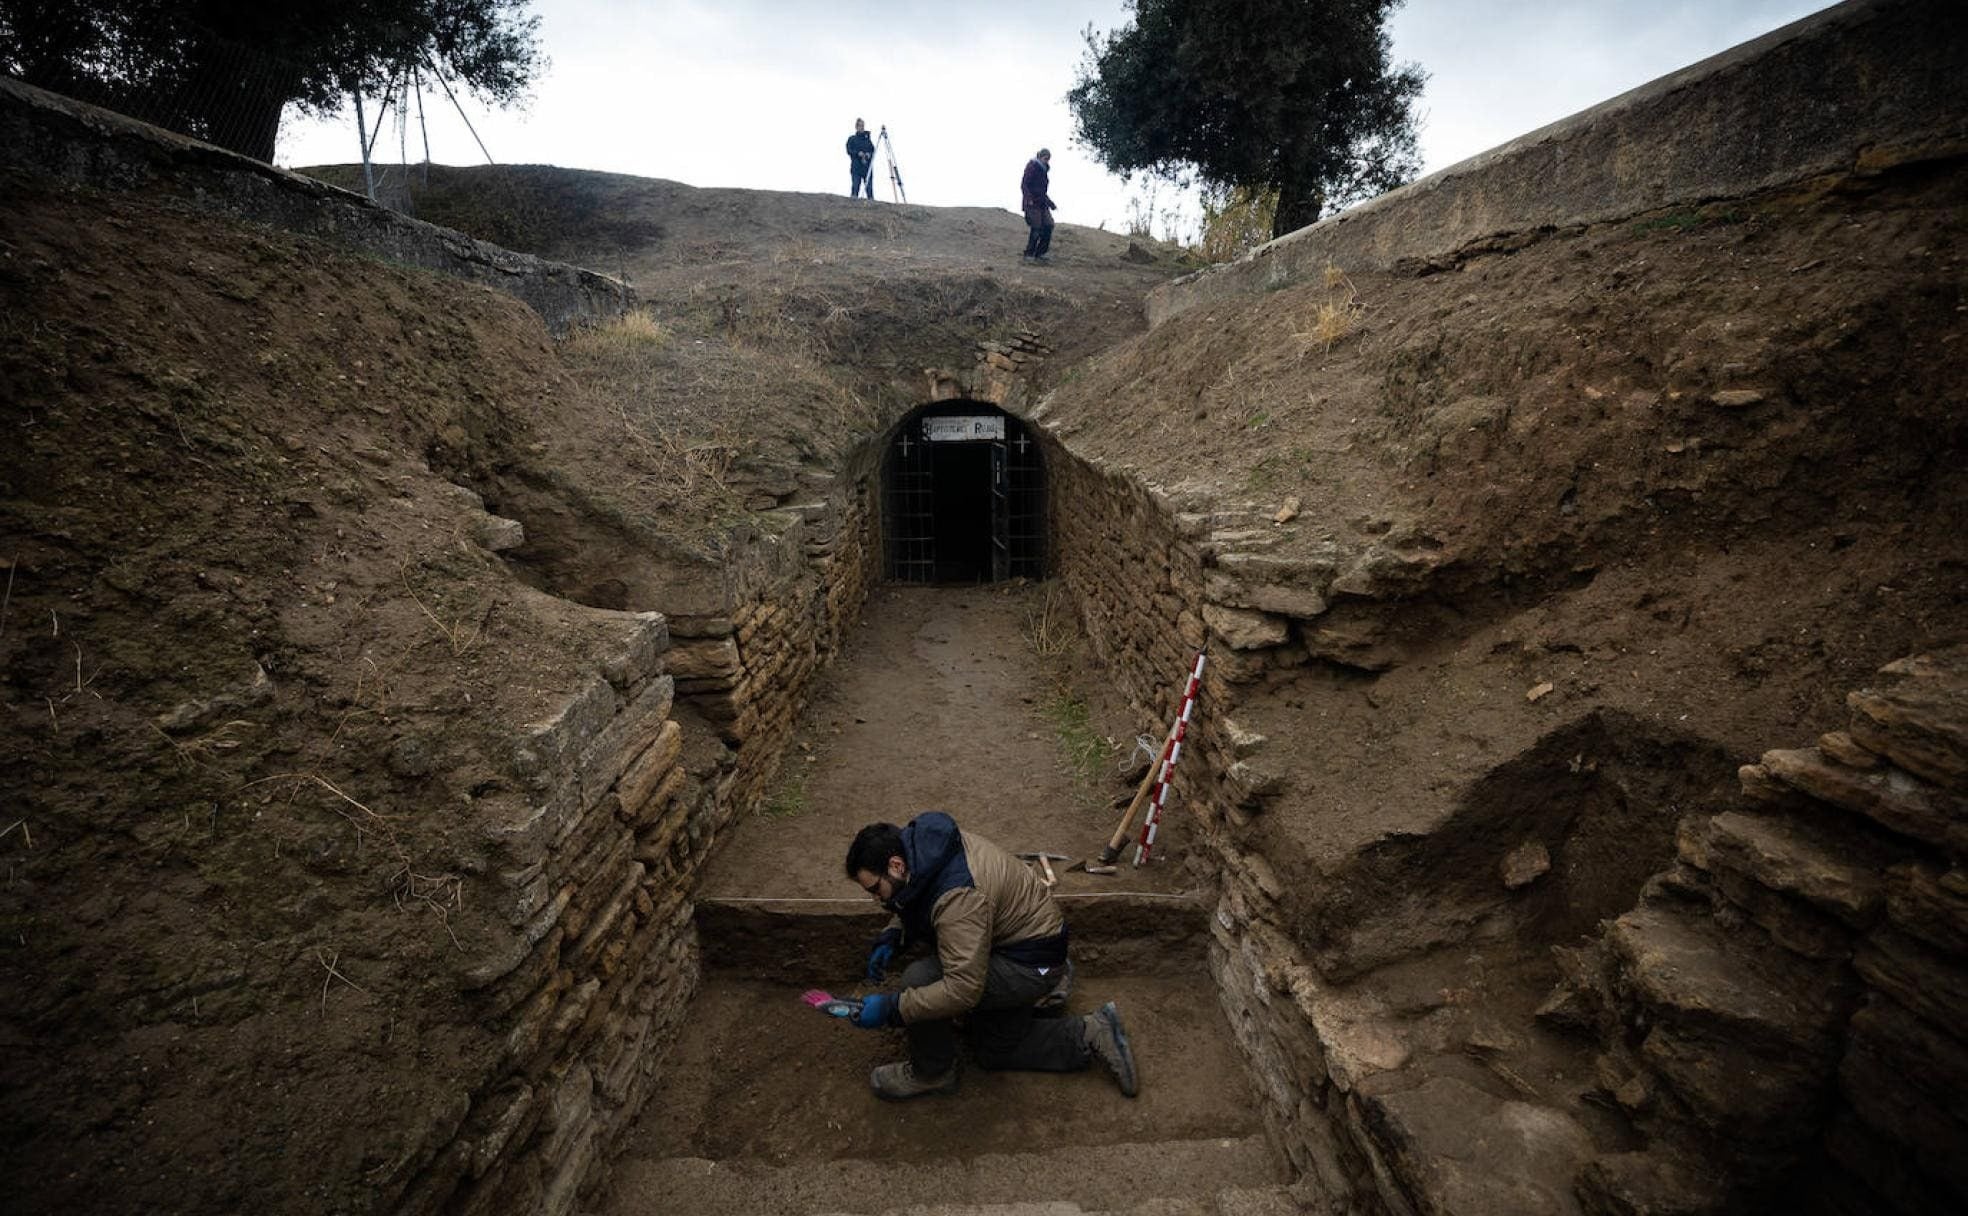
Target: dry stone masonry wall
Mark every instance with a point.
(1140, 569)
(590, 861)
(626, 790)
(1793, 988)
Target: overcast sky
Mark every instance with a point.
(763, 93)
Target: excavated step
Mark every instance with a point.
(765, 1107)
(796, 940)
(1231, 1201)
(1165, 1178)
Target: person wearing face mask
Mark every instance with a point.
(998, 960)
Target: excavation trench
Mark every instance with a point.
(901, 666)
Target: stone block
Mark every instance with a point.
(639, 655)
(1456, 1148)
(1252, 782)
(1795, 925)
(1524, 864)
(529, 1028)
(1884, 1173)
(1890, 797)
(688, 626)
(706, 659)
(1682, 968)
(1243, 741)
(605, 918)
(1749, 1092)
(1931, 904)
(649, 769)
(1784, 856)
(1653, 1183)
(500, 958)
(1383, 573)
(521, 830)
(1244, 630)
(1840, 746)
(548, 749)
(1920, 720)
(1922, 980)
(1238, 590)
(659, 799)
(497, 533)
(502, 1114)
(1908, 1081)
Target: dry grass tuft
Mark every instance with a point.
(627, 334)
(1334, 317)
(1049, 624)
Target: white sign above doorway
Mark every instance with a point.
(964, 427)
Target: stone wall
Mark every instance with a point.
(1142, 571)
(1859, 87)
(52, 136)
(1793, 989)
(745, 668)
(628, 787)
(590, 863)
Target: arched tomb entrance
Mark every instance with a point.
(963, 497)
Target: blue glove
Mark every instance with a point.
(882, 954)
(878, 1011)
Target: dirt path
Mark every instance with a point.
(939, 702)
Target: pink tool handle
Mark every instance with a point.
(1153, 820)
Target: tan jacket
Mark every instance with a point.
(1006, 903)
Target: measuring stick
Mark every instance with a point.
(1154, 819)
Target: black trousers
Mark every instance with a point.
(1039, 239)
(1002, 1030)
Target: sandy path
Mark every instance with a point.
(936, 703)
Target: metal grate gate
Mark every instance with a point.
(908, 508)
(1011, 507)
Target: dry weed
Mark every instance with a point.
(1049, 624)
(441, 893)
(629, 334)
(1334, 317)
(461, 641)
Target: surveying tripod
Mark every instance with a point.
(894, 174)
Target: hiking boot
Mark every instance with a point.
(899, 1080)
(1107, 1039)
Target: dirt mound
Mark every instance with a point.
(878, 290)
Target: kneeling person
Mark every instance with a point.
(1000, 948)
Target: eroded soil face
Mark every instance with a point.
(1703, 469)
(255, 670)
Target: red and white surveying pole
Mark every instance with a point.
(1143, 850)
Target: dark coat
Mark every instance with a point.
(1034, 186)
(861, 150)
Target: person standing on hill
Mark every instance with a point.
(1000, 959)
(861, 161)
(1038, 206)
